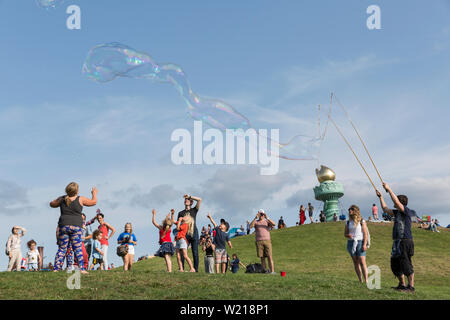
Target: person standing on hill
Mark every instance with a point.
(193, 239)
(13, 248)
(220, 240)
(70, 224)
(403, 244)
(104, 227)
(310, 212)
(302, 215)
(375, 212)
(263, 225)
(356, 232)
(128, 238)
(166, 247)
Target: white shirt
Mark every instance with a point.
(356, 232)
(32, 256)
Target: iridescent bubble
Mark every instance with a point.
(105, 62)
(48, 4)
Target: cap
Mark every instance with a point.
(261, 211)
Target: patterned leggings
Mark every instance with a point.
(68, 234)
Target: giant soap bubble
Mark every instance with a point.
(105, 62)
(48, 4)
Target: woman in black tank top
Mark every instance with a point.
(70, 224)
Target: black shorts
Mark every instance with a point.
(401, 263)
(97, 261)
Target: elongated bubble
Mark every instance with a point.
(48, 4)
(108, 61)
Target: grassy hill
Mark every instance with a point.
(314, 257)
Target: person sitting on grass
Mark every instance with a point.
(185, 225)
(33, 257)
(166, 247)
(235, 263)
(220, 240)
(97, 253)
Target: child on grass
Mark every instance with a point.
(220, 240)
(235, 263)
(33, 257)
(13, 248)
(185, 225)
(97, 254)
(166, 249)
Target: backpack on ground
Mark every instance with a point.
(255, 268)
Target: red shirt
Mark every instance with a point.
(104, 229)
(164, 236)
(182, 232)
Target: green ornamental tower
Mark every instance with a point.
(329, 191)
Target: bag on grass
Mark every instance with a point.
(255, 268)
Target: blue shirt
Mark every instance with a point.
(126, 236)
(402, 224)
(95, 253)
(235, 265)
(220, 239)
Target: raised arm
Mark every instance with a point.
(252, 224)
(172, 213)
(179, 223)
(55, 203)
(271, 222)
(90, 202)
(154, 221)
(383, 204)
(23, 231)
(199, 202)
(91, 221)
(394, 198)
(211, 219)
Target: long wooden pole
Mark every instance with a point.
(360, 139)
(350, 147)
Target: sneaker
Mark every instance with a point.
(273, 273)
(410, 289)
(400, 287)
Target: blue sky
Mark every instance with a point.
(273, 61)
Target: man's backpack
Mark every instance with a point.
(256, 268)
(368, 233)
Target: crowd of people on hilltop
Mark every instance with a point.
(75, 248)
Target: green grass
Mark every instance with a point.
(314, 257)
